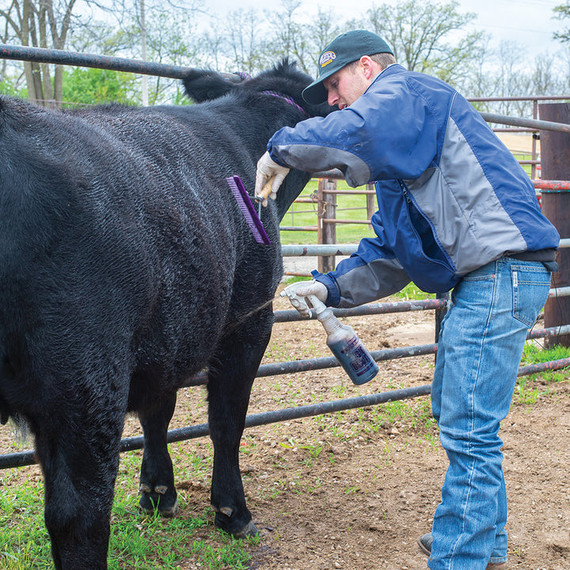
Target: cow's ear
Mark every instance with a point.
(206, 85)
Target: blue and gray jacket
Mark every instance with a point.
(451, 197)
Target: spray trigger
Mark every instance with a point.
(317, 304)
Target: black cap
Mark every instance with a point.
(344, 49)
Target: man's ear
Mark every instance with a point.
(368, 66)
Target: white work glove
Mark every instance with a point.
(267, 169)
(298, 293)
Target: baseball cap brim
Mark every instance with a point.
(316, 93)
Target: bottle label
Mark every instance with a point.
(355, 359)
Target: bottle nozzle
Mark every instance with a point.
(318, 305)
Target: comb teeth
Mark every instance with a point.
(248, 210)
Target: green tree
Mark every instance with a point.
(160, 31)
(94, 86)
(562, 12)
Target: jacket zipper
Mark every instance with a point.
(410, 202)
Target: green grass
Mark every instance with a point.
(137, 540)
(152, 542)
(529, 389)
(526, 167)
(24, 540)
(411, 292)
(302, 215)
(534, 354)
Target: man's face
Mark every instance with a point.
(346, 86)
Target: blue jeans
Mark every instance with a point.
(480, 347)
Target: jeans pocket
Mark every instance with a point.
(531, 284)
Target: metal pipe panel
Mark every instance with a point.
(61, 57)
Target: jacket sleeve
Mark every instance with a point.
(389, 132)
(369, 274)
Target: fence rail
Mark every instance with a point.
(21, 459)
(62, 57)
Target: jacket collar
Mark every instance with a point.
(390, 70)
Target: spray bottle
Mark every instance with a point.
(345, 345)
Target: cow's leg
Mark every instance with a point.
(79, 455)
(230, 379)
(157, 476)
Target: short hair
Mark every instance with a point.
(382, 59)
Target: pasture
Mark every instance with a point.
(348, 490)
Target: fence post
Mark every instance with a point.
(440, 313)
(327, 230)
(535, 136)
(370, 202)
(555, 165)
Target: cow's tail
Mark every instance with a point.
(20, 426)
(3, 105)
(5, 412)
(8, 410)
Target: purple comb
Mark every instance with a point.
(247, 209)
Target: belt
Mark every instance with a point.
(545, 256)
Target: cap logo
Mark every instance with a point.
(326, 58)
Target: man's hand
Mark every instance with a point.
(298, 292)
(268, 169)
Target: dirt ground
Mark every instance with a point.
(354, 490)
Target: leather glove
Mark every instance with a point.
(269, 171)
(298, 293)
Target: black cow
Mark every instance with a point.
(126, 267)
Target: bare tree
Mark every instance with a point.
(4, 38)
(287, 37)
(544, 79)
(420, 33)
(510, 78)
(251, 43)
(46, 24)
(245, 40)
(321, 31)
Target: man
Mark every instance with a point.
(455, 212)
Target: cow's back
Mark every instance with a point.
(117, 220)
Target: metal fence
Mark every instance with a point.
(298, 366)
(27, 458)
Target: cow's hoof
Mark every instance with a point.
(248, 530)
(159, 499)
(222, 522)
(149, 507)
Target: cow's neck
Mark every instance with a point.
(289, 100)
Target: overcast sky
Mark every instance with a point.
(528, 22)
